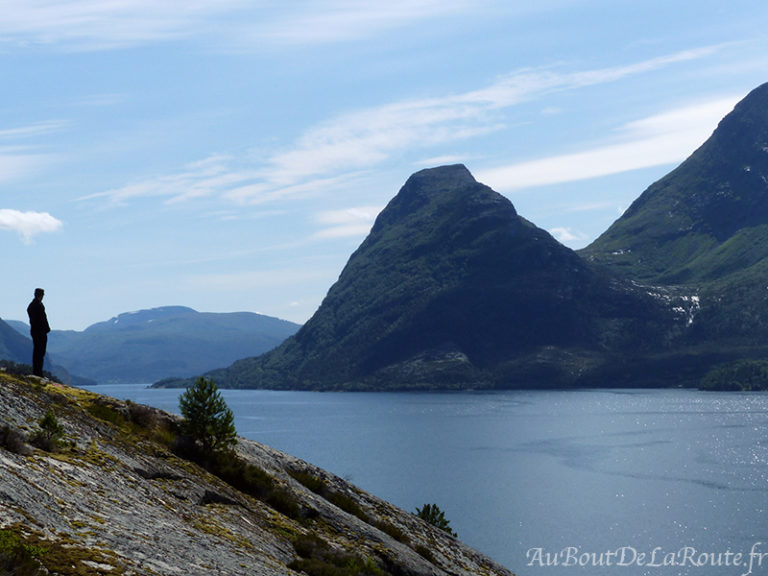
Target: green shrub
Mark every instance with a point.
(392, 531)
(739, 375)
(338, 499)
(141, 415)
(317, 558)
(208, 421)
(243, 476)
(107, 413)
(432, 514)
(49, 436)
(12, 440)
(425, 553)
(18, 558)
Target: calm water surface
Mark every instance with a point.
(590, 479)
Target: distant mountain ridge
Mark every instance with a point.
(148, 345)
(453, 289)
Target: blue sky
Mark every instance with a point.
(230, 155)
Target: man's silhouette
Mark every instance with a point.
(38, 328)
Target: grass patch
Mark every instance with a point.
(17, 557)
(319, 487)
(317, 558)
(242, 475)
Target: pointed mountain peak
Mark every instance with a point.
(442, 189)
(445, 177)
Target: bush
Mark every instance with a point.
(208, 421)
(18, 558)
(432, 514)
(740, 375)
(13, 440)
(338, 499)
(317, 558)
(141, 415)
(49, 436)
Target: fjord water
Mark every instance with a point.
(590, 479)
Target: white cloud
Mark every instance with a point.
(332, 153)
(28, 224)
(665, 138)
(566, 235)
(347, 222)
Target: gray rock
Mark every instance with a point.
(116, 500)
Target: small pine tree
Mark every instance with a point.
(431, 513)
(208, 421)
(50, 434)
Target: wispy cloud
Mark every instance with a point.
(307, 22)
(355, 221)
(88, 25)
(28, 224)
(17, 162)
(666, 138)
(32, 130)
(331, 153)
(241, 24)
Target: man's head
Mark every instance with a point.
(39, 293)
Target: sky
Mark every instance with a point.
(230, 155)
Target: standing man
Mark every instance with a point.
(38, 323)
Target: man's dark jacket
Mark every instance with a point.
(38, 320)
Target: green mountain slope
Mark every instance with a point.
(453, 289)
(705, 225)
(706, 219)
(14, 346)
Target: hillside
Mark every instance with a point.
(116, 499)
(708, 218)
(705, 226)
(453, 289)
(14, 346)
(146, 345)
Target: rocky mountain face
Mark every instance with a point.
(115, 499)
(453, 289)
(147, 345)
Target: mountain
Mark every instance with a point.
(14, 346)
(150, 344)
(705, 226)
(120, 498)
(453, 289)
(708, 218)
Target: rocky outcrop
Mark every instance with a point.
(114, 499)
